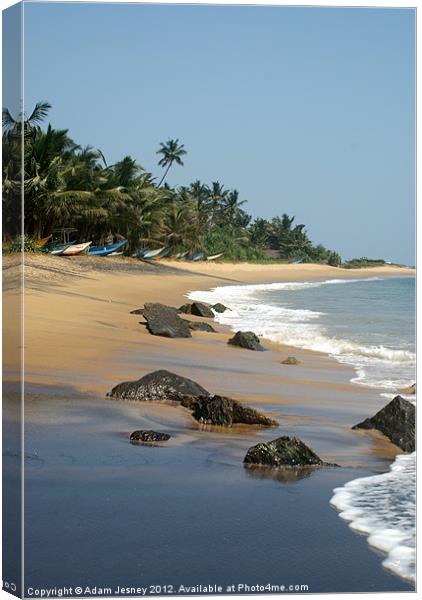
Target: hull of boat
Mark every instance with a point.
(152, 253)
(42, 242)
(76, 249)
(215, 256)
(58, 251)
(106, 250)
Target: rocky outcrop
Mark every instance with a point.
(164, 321)
(283, 452)
(219, 410)
(246, 339)
(220, 308)
(159, 385)
(199, 309)
(162, 386)
(290, 360)
(147, 436)
(201, 326)
(137, 311)
(396, 421)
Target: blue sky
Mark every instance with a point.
(308, 111)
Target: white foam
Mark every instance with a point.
(383, 507)
(375, 365)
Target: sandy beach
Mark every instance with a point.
(81, 340)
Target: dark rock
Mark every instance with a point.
(143, 435)
(198, 309)
(216, 410)
(219, 410)
(250, 416)
(220, 308)
(201, 326)
(290, 360)
(396, 421)
(137, 311)
(159, 385)
(163, 320)
(246, 339)
(282, 452)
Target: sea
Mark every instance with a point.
(370, 325)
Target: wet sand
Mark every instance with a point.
(188, 512)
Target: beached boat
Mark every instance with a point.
(42, 242)
(119, 253)
(197, 256)
(59, 249)
(76, 249)
(215, 256)
(148, 254)
(106, 250)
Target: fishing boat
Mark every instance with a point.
(297, 262)
(119, 253)
(106, 250)
(76, 249)
(215, 256)
(42, 242)
(152, 253)
(198, 256)
(59, 249)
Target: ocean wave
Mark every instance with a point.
(383, 508)
(375, 365)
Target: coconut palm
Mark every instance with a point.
(171, 153)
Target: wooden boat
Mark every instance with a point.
(152, 253)
(299, 261)
(198, 256)
(106, 250)
(215, 256)
(119, 253)
(59, 249)
(76, 249)
(42, 242)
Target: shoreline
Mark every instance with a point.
(79, 332)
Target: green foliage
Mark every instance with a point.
(358, 263)
(19, 243)
(66, 185)
(334, 259)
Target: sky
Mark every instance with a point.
(308, 111)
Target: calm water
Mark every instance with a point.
(369, 324)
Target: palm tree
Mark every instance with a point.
(171, 152)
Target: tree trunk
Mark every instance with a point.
(165, 174)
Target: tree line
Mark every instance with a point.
(66, 185)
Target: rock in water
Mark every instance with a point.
(219, 410)
(246, 339)
(146, 436)
(158, 386)
(220, 308)
(290, 360)
(164, 321)
(198, 309)
(283, 452)
(201, 326)
(396, 421)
